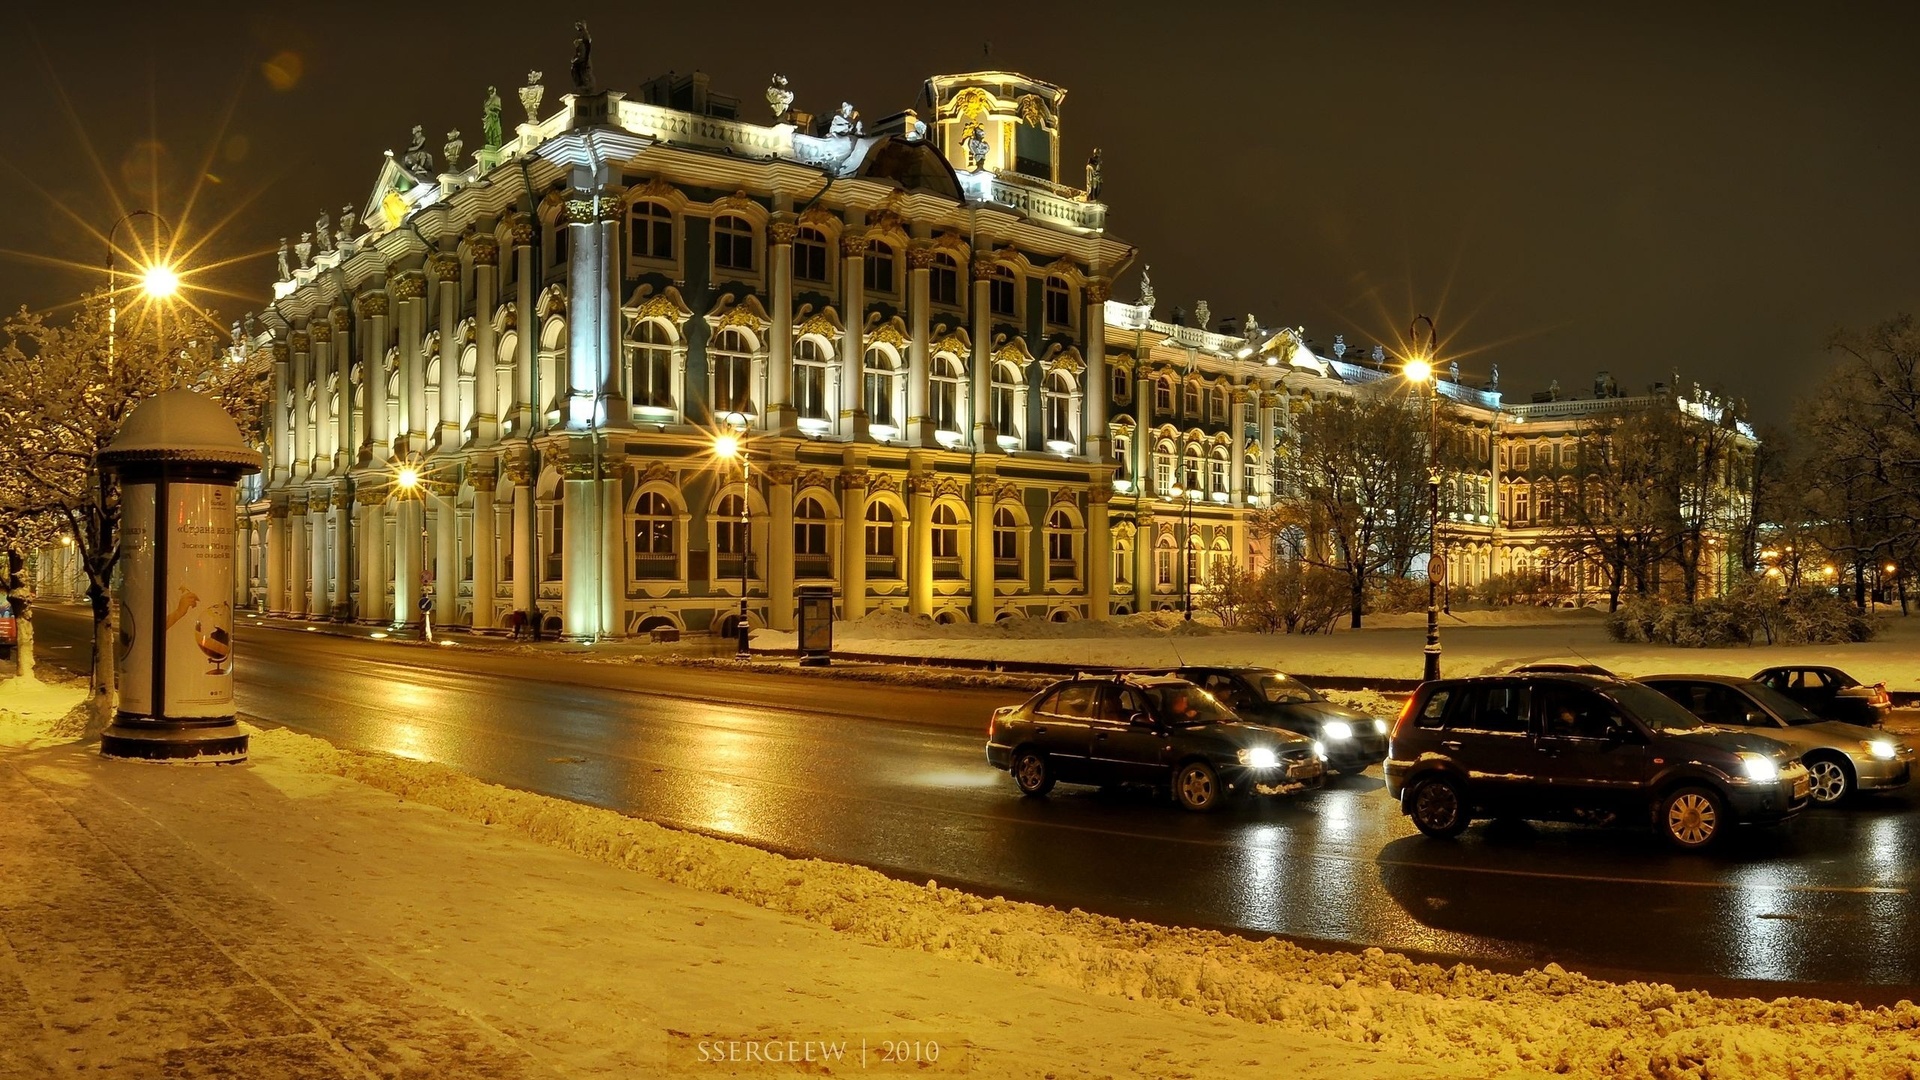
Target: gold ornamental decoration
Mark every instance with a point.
(371, 304)
(321, 331)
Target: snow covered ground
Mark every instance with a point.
(1473, 643)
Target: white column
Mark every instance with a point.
(346, 446)
(527, 322)
(525, 538)
(486, 387)
(919, 263)
(281, 418)
(982, 373)
(853, 411)
(920, 544)
(407, 551)
(485, 558)
(1098, 443)
(780, 599)
(853, 543)
(302, 345)
(373, 373)
(1237, 467)
(369, 538)
(278, 556)
(1096, 559)
(446, 563)
(319, 603)
(778, 408)
(298, 564)
(409, 291)
(983, 568)
(446, 272)
(325, 424)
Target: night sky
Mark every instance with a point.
(1613, 187)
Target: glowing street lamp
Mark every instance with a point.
(409, 480)
(160, 281)
(729, 446)
(1419, 371)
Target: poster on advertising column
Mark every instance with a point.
(132, 648)
(198, 612)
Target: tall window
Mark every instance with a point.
(1006, 544)
(731, 359)
(810, 533)
(1058, 391)
(1544, 505)
(1220, 471)
(946, 533)
(943, 280)
(650, 365)
(882, 384)
(810, 255)
(733, 243)
(810, 362)
(1123, 457)
(1006, 396)
(1190, 401)
(879, 268)
(1059, 302)
(654, 524)
(1000, 292)
(1163, 561)
(553, 556)
(1163, 468)
(1220, 404)
(650, 231)
(1163, 395)
(1520, 498)
(1190, 469)
(943, 406)
(1060, 560)
(729, 532)
(881, 525)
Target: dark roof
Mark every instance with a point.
(915, 165)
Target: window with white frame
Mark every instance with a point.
(1219, 471)
(655, 526)
(879, 269)
(1001, 292)
(729, 526)
(650, 365)
(810, 363)
(810, 534)
(946, 533)
(882, 527)
(1061, 563)
(731, 359)
(943, 403)
(1191, 473)
(1006, 543)
(1005, 394)
(1057, 393)
(1163, 555)
(1164, 461)
(1190, 401)
(882, 387)
(1220, 405)
(1123, 457)
(1122, 565)
(943, 280)
(1122, 384)
(650, 231)
(733, 243)
(1059, 302)
(1521, 496)
(1163, 396)
(810, 255)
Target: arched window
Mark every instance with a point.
(881, 526)
(1122, 565)
(561, 234)
(1190, 401)
(1163, 395)
(1058, 394)
(650, 365)
(943, 280)
(732, 243)
(1059, 302)
(1006, 544)
(731, 359)
(1521, 512)
(1000, 292)
(1219, 472)
(433, 395)
(1164, 460)
(810, 539)
(879, 268)
(882, 372)
(1190, 474)
(650, 231)
(943, 406)
(1123, 457)
(1544, 505)
(1122, 384)
(1061, 564)
(810, 362)
(810, 255)
(1006, 396)
(1163, 553)
(1220, 404)
(729, 531)
(654, 528)
(946, 533)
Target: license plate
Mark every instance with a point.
(1800, 787)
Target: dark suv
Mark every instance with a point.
(1260, 695)
(1581, 748)
(1163, 732)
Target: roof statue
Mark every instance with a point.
(454, 148)
(1339, 346)
(1093, 175)
(490, 120)
(1453, 372)
(1146, 287)
(1378, 355)
(915, 129)
(304, 249)
(779, 98)
(1251, 328)
(845, 123)
(1493, 378)
(530, 96)
(345, 232)
(323, 233)
(582, 58)
(1202, 315)
(977, 147)
(1553, 390)
(285, 273)
(418, 160)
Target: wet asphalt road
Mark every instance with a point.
(895, 778)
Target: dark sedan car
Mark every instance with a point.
(1584, 749)
(1163, 732)
(1829, 693)
(1264, 696)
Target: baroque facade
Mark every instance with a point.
(943, 409)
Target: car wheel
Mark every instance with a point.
(1831, 782)
(1032, 773)
(1438, 808)
(1692, 817)
(1197, 787)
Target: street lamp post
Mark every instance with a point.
(1420, 370)
(727, 447)
(410, 481)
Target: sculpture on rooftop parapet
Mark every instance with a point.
(977, 147)
(779, 98)
(490, 120)
(455, 147)
(1093, 176)
(285, 272)
(304, 249)
(345, 232)
(530, 96)
(582, 58)
(323, 233)
(418, 160)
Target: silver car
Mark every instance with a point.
(1842, 758)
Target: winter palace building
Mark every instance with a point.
(497, 387)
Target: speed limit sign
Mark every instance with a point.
(1437, 568)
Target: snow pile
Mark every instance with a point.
(37, 712)
(1549, 1020)
(1369, 702)
(890, 624)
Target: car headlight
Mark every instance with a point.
(1259, 757)
(1320, 750)
(1759, 768)
(1337, 729)
(1882, 749)
(1379, 727)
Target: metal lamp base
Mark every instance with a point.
(217, 744)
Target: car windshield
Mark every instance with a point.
(1652, 708)
(1782, 706)
(1184, 703)
(1278, 689)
